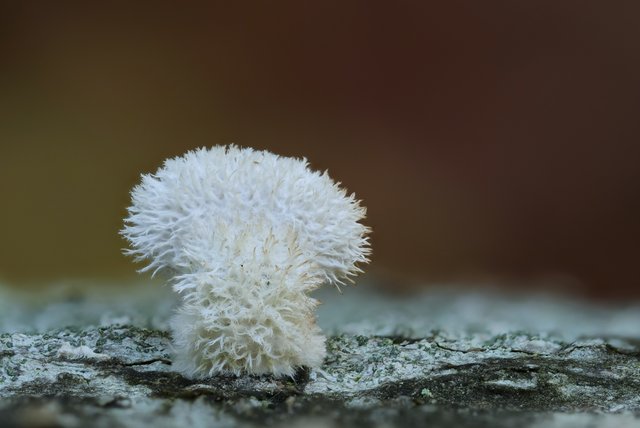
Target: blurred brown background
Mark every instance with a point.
(489, 140)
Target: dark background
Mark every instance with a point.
(492, 141)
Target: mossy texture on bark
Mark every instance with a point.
(119, 374)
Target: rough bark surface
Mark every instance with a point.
(119, 374)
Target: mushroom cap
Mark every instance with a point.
(183, 216)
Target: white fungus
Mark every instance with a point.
(245, 235)
(82, 352)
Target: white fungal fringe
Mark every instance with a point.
(244, 236)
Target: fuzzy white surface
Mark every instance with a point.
(82, 352)
(244, 235)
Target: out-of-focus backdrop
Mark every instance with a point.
(490, 141)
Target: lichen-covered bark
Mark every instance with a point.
(449, 357)
(121, 375)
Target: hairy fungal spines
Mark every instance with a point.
(244, 236)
